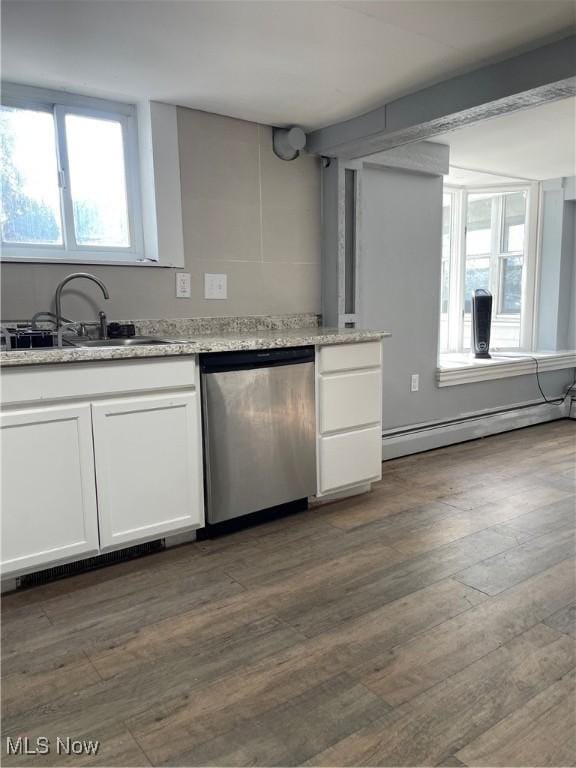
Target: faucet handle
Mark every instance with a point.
(103, 324)
(75, 326)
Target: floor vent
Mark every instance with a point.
(81, 566)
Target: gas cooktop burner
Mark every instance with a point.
(15, 337)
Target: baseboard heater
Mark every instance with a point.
(90, 564)
(426, 437)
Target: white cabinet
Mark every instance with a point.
(341, 357)
(148, 467)
(350, 400)
(350, 458)
(96, 457)
(349, 416)
(48, 487)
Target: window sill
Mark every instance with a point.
(460, 368)
(86, 262)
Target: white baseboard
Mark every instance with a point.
(426, 437)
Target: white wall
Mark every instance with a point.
(245, 213)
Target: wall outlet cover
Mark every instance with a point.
(183, 285)
(215, 286)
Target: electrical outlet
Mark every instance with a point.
(183, 285)
(414, 382)
(215, 286)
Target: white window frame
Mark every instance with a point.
(60, 104)
(456, 314)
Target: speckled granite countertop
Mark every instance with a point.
(223, 342)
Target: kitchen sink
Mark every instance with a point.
(130, 341)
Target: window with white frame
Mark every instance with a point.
(487, 242)
(70, 185)
(447, 247)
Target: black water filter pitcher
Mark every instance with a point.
(481, 321)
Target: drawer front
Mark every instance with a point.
(350, 459)
(342, 357)
(350, 400)
(93, 379)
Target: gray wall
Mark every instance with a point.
(572, 319)
(245, 213)
(400, 292)
(557, 266)
(568, 293)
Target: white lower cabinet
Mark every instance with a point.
(110, 469)
(148, 467)
(349, 416)
(48, 487)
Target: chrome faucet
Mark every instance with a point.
(58, 298)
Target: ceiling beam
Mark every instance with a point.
(526, 80)
(420, 156)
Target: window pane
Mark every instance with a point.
(445, 284)
(446, 249)
(445, 291)
(30, 194)
(511, 290)
(446, 225)
(477, 276)
(97, 181)
(478, 225)
(514, 219)
(504, 334)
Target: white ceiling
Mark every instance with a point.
(460, 177)
(298, 61)
(537, 143)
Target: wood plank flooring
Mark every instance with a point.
(431, 622)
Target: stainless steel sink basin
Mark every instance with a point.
(131, 341)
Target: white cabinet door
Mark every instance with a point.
(350, 458)
(48, 487)
(148, 467)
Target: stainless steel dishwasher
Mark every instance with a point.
(259, 430)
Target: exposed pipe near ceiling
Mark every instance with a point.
(288, 142)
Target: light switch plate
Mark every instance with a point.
(183, 285)
(215, 286)
(414, 382)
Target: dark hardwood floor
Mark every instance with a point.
(431, 622)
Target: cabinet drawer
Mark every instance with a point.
(350, 459)
(350, 400)
(342, 357)
(92, 379)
